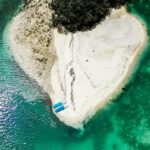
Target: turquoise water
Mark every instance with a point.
(26, 119)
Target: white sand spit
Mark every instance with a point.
(85, 69)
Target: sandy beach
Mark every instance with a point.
(31, 42)
(84, 69)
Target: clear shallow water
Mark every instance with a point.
(26, 120)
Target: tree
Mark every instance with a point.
(81, 15)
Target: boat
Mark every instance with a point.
(59, 109)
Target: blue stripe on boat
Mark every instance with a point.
(59, 109)
(57, 104)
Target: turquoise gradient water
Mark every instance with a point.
(26, 119)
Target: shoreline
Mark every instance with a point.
(31, 61)
(115, 92)
(44, 80)
(130, 71)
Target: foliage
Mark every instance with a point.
(81, 15)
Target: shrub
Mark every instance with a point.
(81, 15)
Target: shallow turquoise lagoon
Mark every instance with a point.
(26, 119)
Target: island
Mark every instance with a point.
(83, 68)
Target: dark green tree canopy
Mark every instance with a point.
(81, 15)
